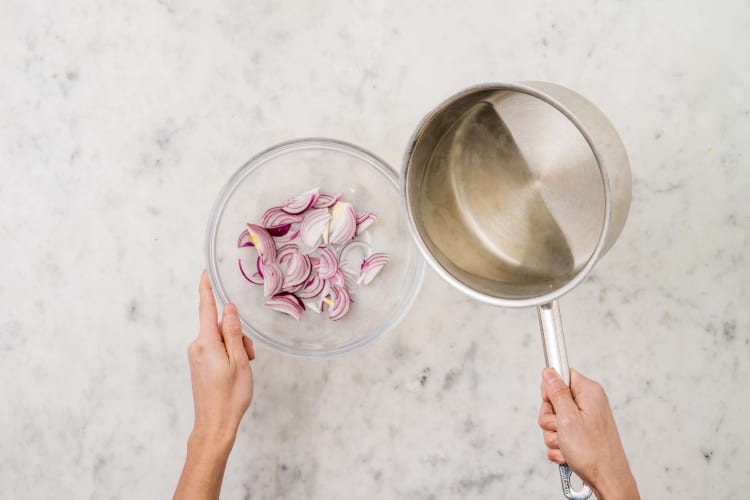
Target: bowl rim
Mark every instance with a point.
(236, 179)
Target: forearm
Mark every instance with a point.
(618, 487)
(204, 468)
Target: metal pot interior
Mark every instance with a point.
(505, 193)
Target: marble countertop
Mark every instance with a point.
(119, 123)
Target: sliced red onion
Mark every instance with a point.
(365, 220)
(296, 267)
(340, 301)
(309, 251)
(343, 223)
(255, 278)
(312, 288)
(338, 278)
(364, 215)
(371, 266)
(328, 264)
(350, 283)
(279, 231)
(291, 235)
(287, 304)
(297, 274)
(301, 202)
(284, 253)
(354, 251)
(263, 242)
(272, 278)
(326, 200)
(314, 224)
(326, 275)
(324, 297)
(312, 305)
(276, 216)
(317, 304)
(348, 268)
(244, 240)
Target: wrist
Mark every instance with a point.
(619, 488)
(215, 443)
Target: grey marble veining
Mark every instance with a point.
(119, 123)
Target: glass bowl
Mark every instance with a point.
(268, 180)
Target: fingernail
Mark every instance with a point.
(549, 375)
(230, 309)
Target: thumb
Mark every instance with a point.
(231, 330)
(578, 382)
(558, 393)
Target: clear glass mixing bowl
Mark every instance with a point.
(269, 179)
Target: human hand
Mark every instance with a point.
(220, 371)
(222, 390)
(579, 429)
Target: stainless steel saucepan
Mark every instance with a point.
(513, 193)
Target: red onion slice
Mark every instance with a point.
(263, 242)
(272, 278)
(371, 266)
(314, 224)
(312, 305)
(291, 235)
(362, 216)
(343, 223)
(296, 268)
(338, 278)
(301, 202)
(326, 200)
(287, 304)
(354, 251)
(316, 304)
(284, 253)
(299, 270)
(328, 263)
(276, 216)
(244, 240)
(312, 288)
(365, 220)
(350, 283)
(279, 231)
(255, 278)
(340, 302)
(348, 268)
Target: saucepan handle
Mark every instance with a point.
(556, 357)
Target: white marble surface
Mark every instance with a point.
(120, 121)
